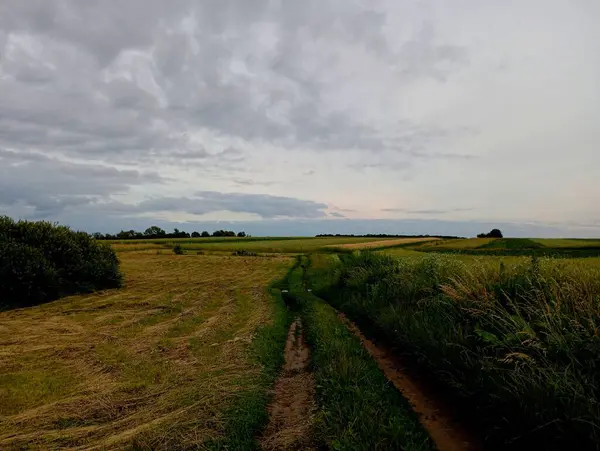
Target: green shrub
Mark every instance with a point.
(177, 249)
(244, 253)
(40, 262)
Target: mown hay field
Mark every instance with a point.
(466, 243)
(281, 245)
(156, 364)
(382, 243)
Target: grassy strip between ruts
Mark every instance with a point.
(248, 415)
(358, 408)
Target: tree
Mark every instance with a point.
(195, 235)
(154, 232)
(205, 234)
(241, 234)
(495, 233)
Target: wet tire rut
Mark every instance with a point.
(445, 431)
(293, 406)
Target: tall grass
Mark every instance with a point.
(520, 344)
(358, 408)
(40, 261)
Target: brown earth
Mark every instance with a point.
(441, 425)
(293, 406)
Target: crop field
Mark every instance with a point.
(156, 364)
(467, 243)
(559, 242)
(513, 246)
(381, 243)
(491, 329)
(313, 343)
(270, 245)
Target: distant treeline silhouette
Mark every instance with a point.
(156, 232)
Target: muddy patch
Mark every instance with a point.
(442, 426)
(293, 406)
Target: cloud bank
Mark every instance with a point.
(261, 111)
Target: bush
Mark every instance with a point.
(40, 262)
(244, 253)
(177, 249)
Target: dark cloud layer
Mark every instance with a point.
(263, 205)
(48, 185)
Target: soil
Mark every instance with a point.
(441, 424)
(292, 410)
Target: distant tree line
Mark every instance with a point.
(156, 232)
(495, 233)
(386, 235)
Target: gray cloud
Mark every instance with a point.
(137, 101)
(263, 205)
(49, 185)
(108, 107)
(432, 211)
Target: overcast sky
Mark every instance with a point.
(291, 116)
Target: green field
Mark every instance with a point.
(513, 338)
(292, 245)
(513, 246)
(187, 353)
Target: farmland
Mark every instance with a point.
(187, 353)
(289, 245)
(156, 364)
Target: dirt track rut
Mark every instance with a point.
(444, 430)
(293, 406)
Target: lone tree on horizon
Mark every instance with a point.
(494, 233)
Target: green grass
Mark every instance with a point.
(511, 243)
(514, 247)
(467, 243)
(358, 408)
(517, 343)
(569, 243)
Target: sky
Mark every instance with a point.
(296, 118)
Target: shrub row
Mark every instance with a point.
(517, 345)
(40, 261)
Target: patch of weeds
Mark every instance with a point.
(244, 253)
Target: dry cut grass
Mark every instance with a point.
(152, 365)
(465, 243)
(266, 245)
(382, 243)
